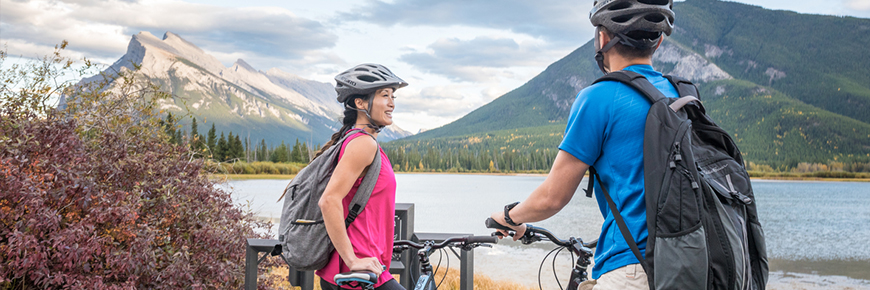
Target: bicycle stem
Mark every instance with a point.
(425, 266)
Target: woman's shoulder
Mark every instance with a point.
(360, 144)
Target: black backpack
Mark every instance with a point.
(703, 225)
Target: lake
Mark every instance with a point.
(813, 228)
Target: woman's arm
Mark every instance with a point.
(358, 154)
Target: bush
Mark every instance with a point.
(94, 196)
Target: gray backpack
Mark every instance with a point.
(305, 246)
(703, 225)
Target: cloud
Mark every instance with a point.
(103, 28)
(481, 59)
(863, 5)
(556, 21)
(437, 101)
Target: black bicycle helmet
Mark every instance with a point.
(365, 79)
(621, 17)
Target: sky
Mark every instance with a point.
(456, 55)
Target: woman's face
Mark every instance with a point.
(382, 107)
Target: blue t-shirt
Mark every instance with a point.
(605, 130)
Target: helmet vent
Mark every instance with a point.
(619, 6)
(369, 79)
(360, 69)
(654, 2)
(622, 19)
(655, 18)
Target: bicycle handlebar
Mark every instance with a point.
(533, 234)
(466, 240)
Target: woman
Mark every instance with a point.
(366, 91)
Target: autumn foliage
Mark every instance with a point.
(94, 196)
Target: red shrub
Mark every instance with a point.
(108, 203)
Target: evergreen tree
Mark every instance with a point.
(263, 151)
(169, 128)
(229, 150)
(296, 154)
(238, 148)
(195, 138)
(220, 151)
(211, 140)
(280, 153)
(305, 154)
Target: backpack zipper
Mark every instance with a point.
(742, 197)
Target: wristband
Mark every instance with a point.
(507, 217)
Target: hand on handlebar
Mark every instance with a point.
(499, 218)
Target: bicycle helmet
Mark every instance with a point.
(365, 79)
(621, 17)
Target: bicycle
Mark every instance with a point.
(366, 280)
(576, 246)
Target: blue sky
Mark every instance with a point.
(457, 55)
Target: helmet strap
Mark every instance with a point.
(599, 54)
(371, 123)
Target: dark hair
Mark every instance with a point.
(349, 119)
(631, 52)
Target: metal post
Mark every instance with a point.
(302, 279)
(403, 263)
(252, 250)
(250, 267)
(466, 270)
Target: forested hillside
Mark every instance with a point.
(789, 87)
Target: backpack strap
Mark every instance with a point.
(688, 92)
(364, 192)
(623, 228)
(684, 87)
(640, 84)
(636, 81)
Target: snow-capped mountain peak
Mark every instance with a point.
(273, 105)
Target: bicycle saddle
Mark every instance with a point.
(361, 279)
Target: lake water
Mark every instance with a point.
(815, 228)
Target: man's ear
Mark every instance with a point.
(604, 39)
(661, 39)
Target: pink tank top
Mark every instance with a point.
(371, 234)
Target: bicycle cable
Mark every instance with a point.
(541, 268)
(445, 269)
(554, 267)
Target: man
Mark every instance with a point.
(606, 130)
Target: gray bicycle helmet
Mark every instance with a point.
(621, 17)
(365, 79)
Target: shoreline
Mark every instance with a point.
(225, 177)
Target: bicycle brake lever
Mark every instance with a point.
(529, 238)
(510, 234)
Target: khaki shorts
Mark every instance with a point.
(628, 277)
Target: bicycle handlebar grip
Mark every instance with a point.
(481, 240)
(492, 224)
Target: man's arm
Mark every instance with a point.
(551, 196)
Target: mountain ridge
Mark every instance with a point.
(707, 49)
(272, 105)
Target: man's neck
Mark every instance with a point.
(618, 63)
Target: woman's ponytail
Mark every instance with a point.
(349, 119)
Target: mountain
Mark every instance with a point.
(273, 105)
(789, 87)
